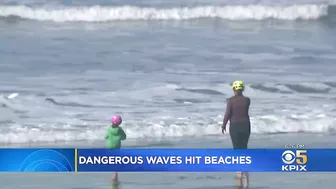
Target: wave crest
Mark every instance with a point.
(124, 13)
(182, 127)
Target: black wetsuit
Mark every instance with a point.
(237, 111)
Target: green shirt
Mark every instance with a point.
(114, 137)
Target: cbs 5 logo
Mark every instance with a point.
(300, 156)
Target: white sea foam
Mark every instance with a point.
(197, 112)
(230, 12)
(147, 129)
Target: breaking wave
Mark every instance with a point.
(126, 13)
(50, 119)
(182, 127)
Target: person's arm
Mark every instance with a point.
(227, 115)
(107, 134)
(123, 134)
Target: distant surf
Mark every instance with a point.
(129, 13)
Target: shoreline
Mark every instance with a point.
(179, 180)
(308, 140)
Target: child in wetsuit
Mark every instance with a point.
(115, 134)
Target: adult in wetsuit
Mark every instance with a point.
(237, 112)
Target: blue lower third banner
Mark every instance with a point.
(167, 160)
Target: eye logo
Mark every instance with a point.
(296, 156)
(288, 157)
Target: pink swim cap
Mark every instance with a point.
(116, 120)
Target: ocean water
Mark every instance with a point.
(166, 68)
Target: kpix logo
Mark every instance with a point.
(295, 160)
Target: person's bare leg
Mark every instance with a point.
(239, 182)
(245, 179)
(115, 178)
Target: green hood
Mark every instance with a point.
(115, 131)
